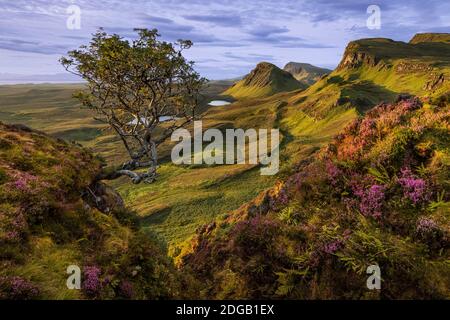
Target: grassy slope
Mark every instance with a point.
(48, 107)
(376, 70)
(45, 227)
(352, 206)
(22, 154)
(186, 197)
(372, 71)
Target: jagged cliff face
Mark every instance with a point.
(305, 72)
(265, 80)
(355, 56)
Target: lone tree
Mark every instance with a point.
(131, 86)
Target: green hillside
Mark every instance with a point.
(48, 222)
(48, 107)
(376, 70)
(186, 197)
(377, 195)
(265, 80)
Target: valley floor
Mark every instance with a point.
(184, 197)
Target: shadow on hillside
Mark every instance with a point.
(364, 95)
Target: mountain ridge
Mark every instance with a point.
(264, 80)
(375, 70)
(305, 72)
(313, 226)
(430, 37)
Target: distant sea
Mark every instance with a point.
(6, 82)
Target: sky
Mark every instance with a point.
(230, 37)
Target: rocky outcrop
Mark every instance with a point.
(103, 197)
(436, 81)
(409, 67)
(354, 59)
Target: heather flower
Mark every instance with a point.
(20, 185)
(17, 288)
(333, 172)
(352, 127)
(107, 280)
(430, 232)
(256, 233)
(372, 201)
(411, 104)
(333, 246)
(347, 233)
(367, 128)
(283, 198)
(357, 185)
(12, 236)
(15, 226)
(91, 281)
(126, 289)
(426, 226)
(23, 180)
(415, 189)
(297, 180)
(19, 222)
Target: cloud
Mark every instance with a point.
(170, 34)
(281, 40)
(401, 11)
(229, 36)
(161, 23)
(157, 20)
(226, 20)
(32, 46)
(250, 58)
(265, 31)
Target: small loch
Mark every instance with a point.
(218, 103)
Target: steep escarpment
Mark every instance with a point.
(265, 80)
(430, 37)
(377, 195)
(50, 219)
(376, 70)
